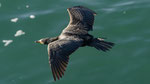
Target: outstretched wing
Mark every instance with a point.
(59, 52)
(81, 17)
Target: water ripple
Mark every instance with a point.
(124, 3)
(127, 40)
(90, 2)
(26, 15)
(43, 12)
(109, 9)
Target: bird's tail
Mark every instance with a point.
(100, 44)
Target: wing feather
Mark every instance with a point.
(59, 52)
(82, 17)
(53, 72)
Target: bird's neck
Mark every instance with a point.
(49, 40)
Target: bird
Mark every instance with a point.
(74, 36)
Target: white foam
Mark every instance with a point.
(27, 6)
(32, 16)
(124, 12)
(19, 33)
(0, 5)
(7, 42)
(14, 20)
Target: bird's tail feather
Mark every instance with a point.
(100, 44)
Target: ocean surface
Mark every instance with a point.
(124, 22)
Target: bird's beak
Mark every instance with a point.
(39, 42)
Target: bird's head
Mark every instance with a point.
(42, 41)
(46, 41)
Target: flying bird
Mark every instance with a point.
(75, 35)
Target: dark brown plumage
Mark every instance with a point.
(75, 35)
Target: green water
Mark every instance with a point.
(125, 22)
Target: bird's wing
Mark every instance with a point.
(59, 52)
(81, 17)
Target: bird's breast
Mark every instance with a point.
(62, 36)
(69, 37)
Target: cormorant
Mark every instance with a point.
(75, 35)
